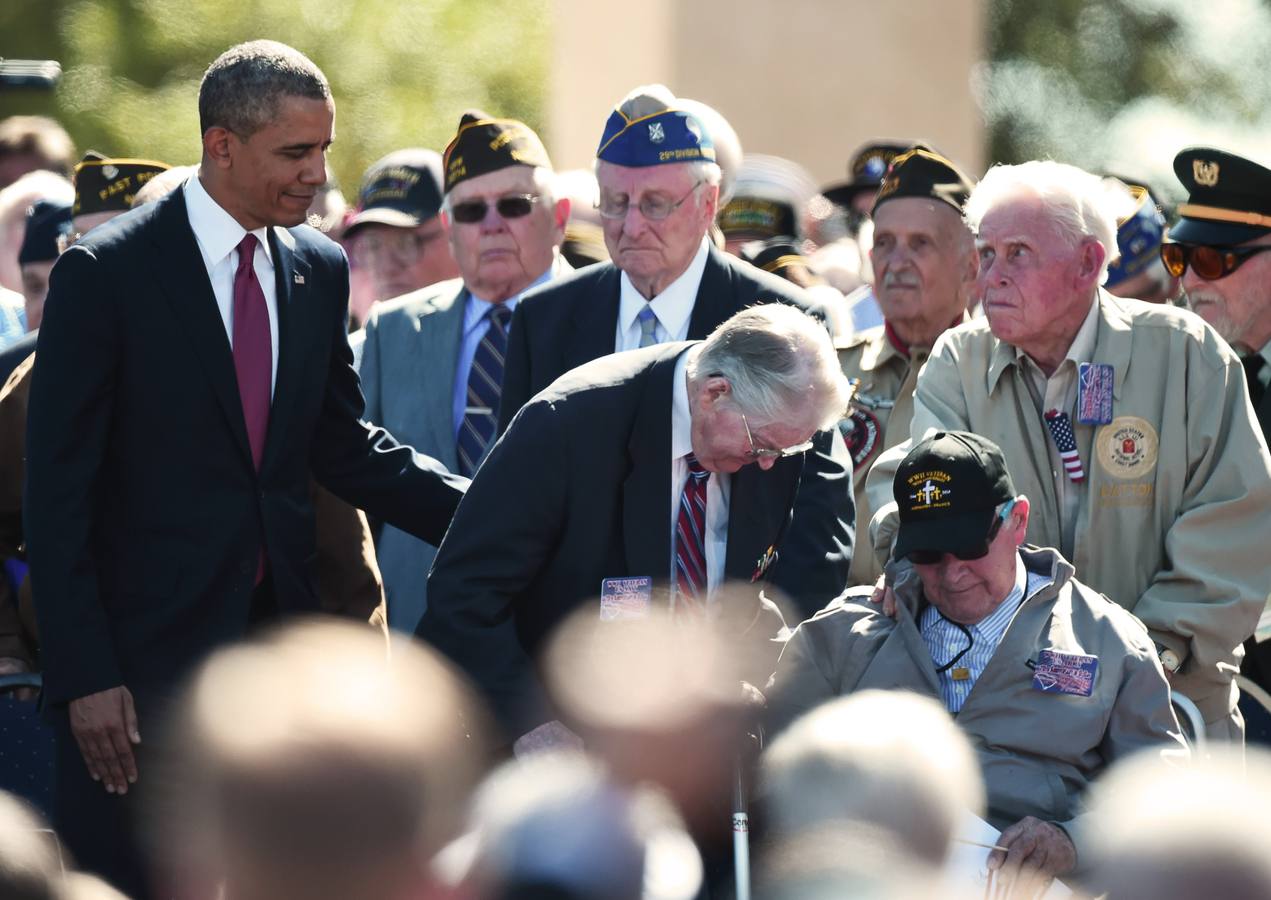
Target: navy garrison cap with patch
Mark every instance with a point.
(1228, 198)
(484, 144)
(670, 136)
(46, 222)
(867, 170)
(1139, 237)
(108, 185)
(921, 172)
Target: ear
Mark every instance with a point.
(1090, 262)
(560, 218)
(217, 146)
(1018, 523)
(710, 201)
(713, 389)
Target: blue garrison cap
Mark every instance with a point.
(671, 136)
(1138, 238)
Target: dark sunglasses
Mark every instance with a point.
(1209, 263)
(931, 557)
(469, 212)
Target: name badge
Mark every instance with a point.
(624, 599)
(1065, 673)
(1094, 393)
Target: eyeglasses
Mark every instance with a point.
(653, 207)
(758, 453)
(931, 557)
(406, 246)
(515, 206)
(1209, 263)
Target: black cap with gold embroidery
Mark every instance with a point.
(867, 169)
(402, 189)
(1228, 198)
(921, 172)
(947, 489)
(485, 144)
(108, 185)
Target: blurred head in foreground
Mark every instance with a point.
(310, 764)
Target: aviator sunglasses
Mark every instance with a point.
(1209, 263)
(931, 557)
(514, 206)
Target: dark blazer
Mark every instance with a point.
(144, 512)
(572, 321)
(577, 491)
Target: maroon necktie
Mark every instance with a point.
(690, 539)
(253, 355)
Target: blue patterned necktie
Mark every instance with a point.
(648, 326)
(485, 384)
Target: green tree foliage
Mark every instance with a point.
(402, 71)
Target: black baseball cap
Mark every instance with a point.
(402, 189)
(948, 488)
(924, 173)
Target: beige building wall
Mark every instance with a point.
(806, 79)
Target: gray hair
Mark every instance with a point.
(777, 359)
(884, 758)
(241, 91)
(1080, 204)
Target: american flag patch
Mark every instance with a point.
(1066, 442)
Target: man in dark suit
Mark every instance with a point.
(659, 187)
(630, 478)
(192, 369)
(431, 362)
(1218, 249)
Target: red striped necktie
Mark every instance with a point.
(690, 538)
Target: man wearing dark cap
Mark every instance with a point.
(659, 188)
(1127, 424)
(1139, 272)
(47, 224)
(1218, 247)
(1050, 680)
(924, 270)
(396, 232)
(104, 188)
(432, 361)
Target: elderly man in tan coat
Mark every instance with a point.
(1127, 424)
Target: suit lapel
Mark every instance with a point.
(716, 299)
(292, 286)
(757, 508)
(183, 275)
(433, 372)
(646, 494)
(595, 322)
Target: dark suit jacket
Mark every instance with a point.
(574, 320)
(144, 512)
(577, 491)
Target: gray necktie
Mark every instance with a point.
(648, 323)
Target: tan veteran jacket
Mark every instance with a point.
(1038, 750)
(879, 419)
(1174, 523)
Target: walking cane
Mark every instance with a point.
(741, 831)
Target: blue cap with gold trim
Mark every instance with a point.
(1228, 198)
(1139, 237)
(670, 136)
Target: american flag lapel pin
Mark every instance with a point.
(1066, 442)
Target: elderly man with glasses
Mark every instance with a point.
(659, 192)
(432, 362)
(650, 479)
(1051, 681)
(1218, 250)
(1127, 424)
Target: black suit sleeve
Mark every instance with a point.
(68, 427)
(364, 465)
(505, 529)
(516, 370)
(816, 553)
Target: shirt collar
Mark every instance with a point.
(674, 305)
(217, 232)
(681, 416)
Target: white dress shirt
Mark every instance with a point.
(218, 235)
(673, 307)
(717, 486)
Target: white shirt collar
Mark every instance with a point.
(673, 306)
(681, 417)
(217, 232)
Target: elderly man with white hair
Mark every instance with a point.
(1127, 424)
